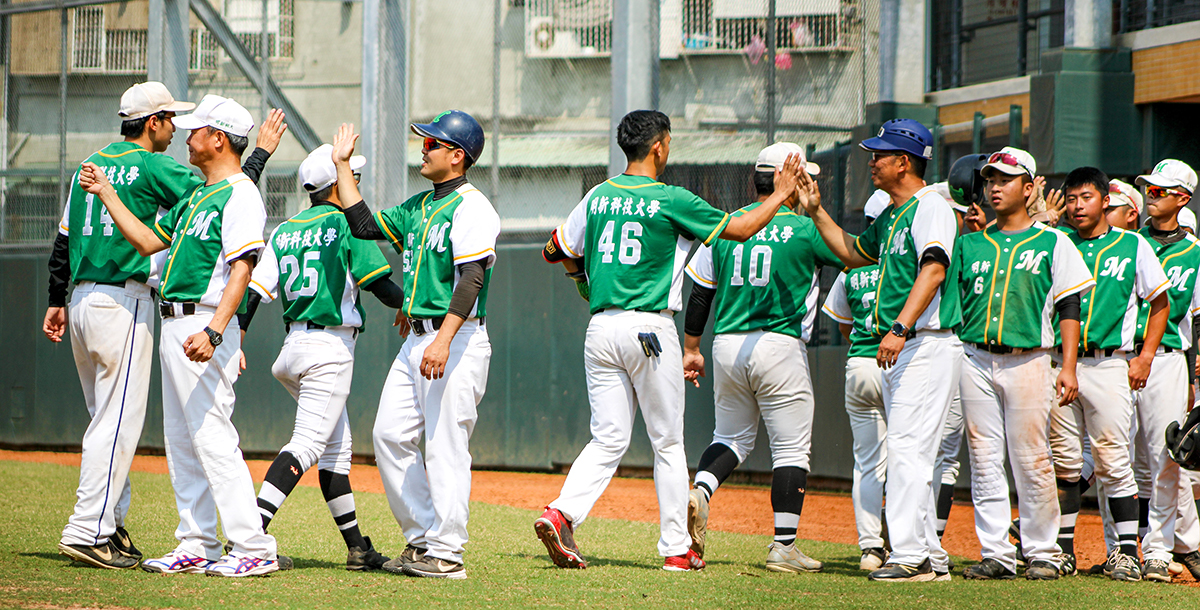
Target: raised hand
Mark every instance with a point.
(808, 193)
(343, 143)
(271, 131)
(787, 177)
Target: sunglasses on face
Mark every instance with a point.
(879, 156)
(1158, 192)
(433, 144)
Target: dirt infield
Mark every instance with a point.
(741, 509)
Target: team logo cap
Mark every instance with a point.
(220, 113)
(1011, 161)
(1169, 174)
(317, 171)
(145, 99)
(1123, 193)
(773, 157)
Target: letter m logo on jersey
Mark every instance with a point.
(1031, 261)
(1114, 266)
(1179, 277)
(200, 227)
(437, 236)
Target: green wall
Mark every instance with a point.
(535, 414)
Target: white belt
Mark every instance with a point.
(304, 326)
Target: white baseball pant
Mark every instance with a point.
(1103, 412)
(763, 373)
(868, 425)
(112, 339)
(316, 366)
(621, 378)
(947, 461)
(203, 458)
(1007, 400)
(429, 493)
(917, 392)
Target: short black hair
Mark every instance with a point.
(237, 144)
(322, 195)
(639, 130)
(134, 128)
(1083, 176)
(918, 164)
(764, 182)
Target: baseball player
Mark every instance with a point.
(447, 237)
(1124, 206)
(112, 334)
(321, 269)
(760, 362)
(1125, 269)
(1014, 278)
(212, 241)
(636, 233)
(912, 241)
(1172, 526)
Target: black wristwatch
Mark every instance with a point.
(214, 337)
(900, 330)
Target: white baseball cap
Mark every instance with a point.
(1187, 218)
(774, 156)
(219, 113)
(876, 204)
(1171, 173)
(145, 99)
(943, 189)
(1011, 161)
(1122, 193)
(317, 170)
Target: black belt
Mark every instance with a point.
(1166, 350)
(1093, 352)
(995, 349)
(117, 284)
(310, 325)
(418, 325)
(167, 310)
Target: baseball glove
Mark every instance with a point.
(581, 282)
(1183, 441)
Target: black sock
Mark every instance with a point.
(787, 500)
(1124, 512)
(945, 502)
(340, 499)
(281, 479)
(1143, 517)
(1069, 503)
(716, 464)
(1084, 485)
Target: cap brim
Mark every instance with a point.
(879, 145)
(358, 162)
(179, 106)
(1007, 170)
(313, 189)
(427, 130)
(812, 168)
(1160, 181)
(188, 122)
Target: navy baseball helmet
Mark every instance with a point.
(902, 135)
(457, 128)
(965, 180)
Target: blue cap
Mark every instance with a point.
(902, 135)
(457, 128)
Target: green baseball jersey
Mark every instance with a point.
(897, 241)
(145, 182)
(636, 234)
(319, 267)
(1008, 284)
(1125, 269)
(216, 225)
(758, 282)
(434, 237)
(851, 300)
(1180, 261)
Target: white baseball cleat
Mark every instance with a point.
(177, 562)
(238, 565)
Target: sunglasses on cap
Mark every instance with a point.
(1004, 158)
(434, 144)
(1158, 192)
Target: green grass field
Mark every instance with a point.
(506, 563)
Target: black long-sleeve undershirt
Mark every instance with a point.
(470, 282)
(699, 304)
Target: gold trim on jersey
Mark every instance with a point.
(562, 242)
(383, 225)
(1083, 334)
(108, 156)
(314, 217)
(421, 252)
(475, 254)
(717, 231)
(263, 288)
(167, 275)
(699, 280)
(1074, 288)
(242, 250)
(374, 273)
(635, 186)
(883, 265)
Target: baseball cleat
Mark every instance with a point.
(238, 565)
(988, 569)
(358, 560)
(435, 567)
(1156, 570)
(684, 563)
(1125, 568)
(177, 562)
(788, 558)
(106, 556)
(1066, 564)
(411, 554)
(898, 572)
(872, 559)
(1040, 569)
(1191, 561)
(941, 576)
(697, 519)
(124, 543)
(555, 531)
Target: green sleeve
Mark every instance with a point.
(867, 244)
(367, 263)
(392, 222)
(164, 227)
(173, 181)
(955, 271)
(821, 250)
(692, 215)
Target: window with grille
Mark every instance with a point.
(724, 26)
(202, 56)
(245, 19)
(88, 39)
(568, 28)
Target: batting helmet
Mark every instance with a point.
(902, 135)
(965, 180)
(457, 128)
(1183, 442)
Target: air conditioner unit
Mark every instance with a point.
(543, 39)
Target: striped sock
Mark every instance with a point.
(340, 499)
(1143, 517)
(716, 464)
(281, 479)
(945, 502)
(1125, 517)
(1069, 503)
(787, 500)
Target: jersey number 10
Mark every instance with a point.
(760, 265)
